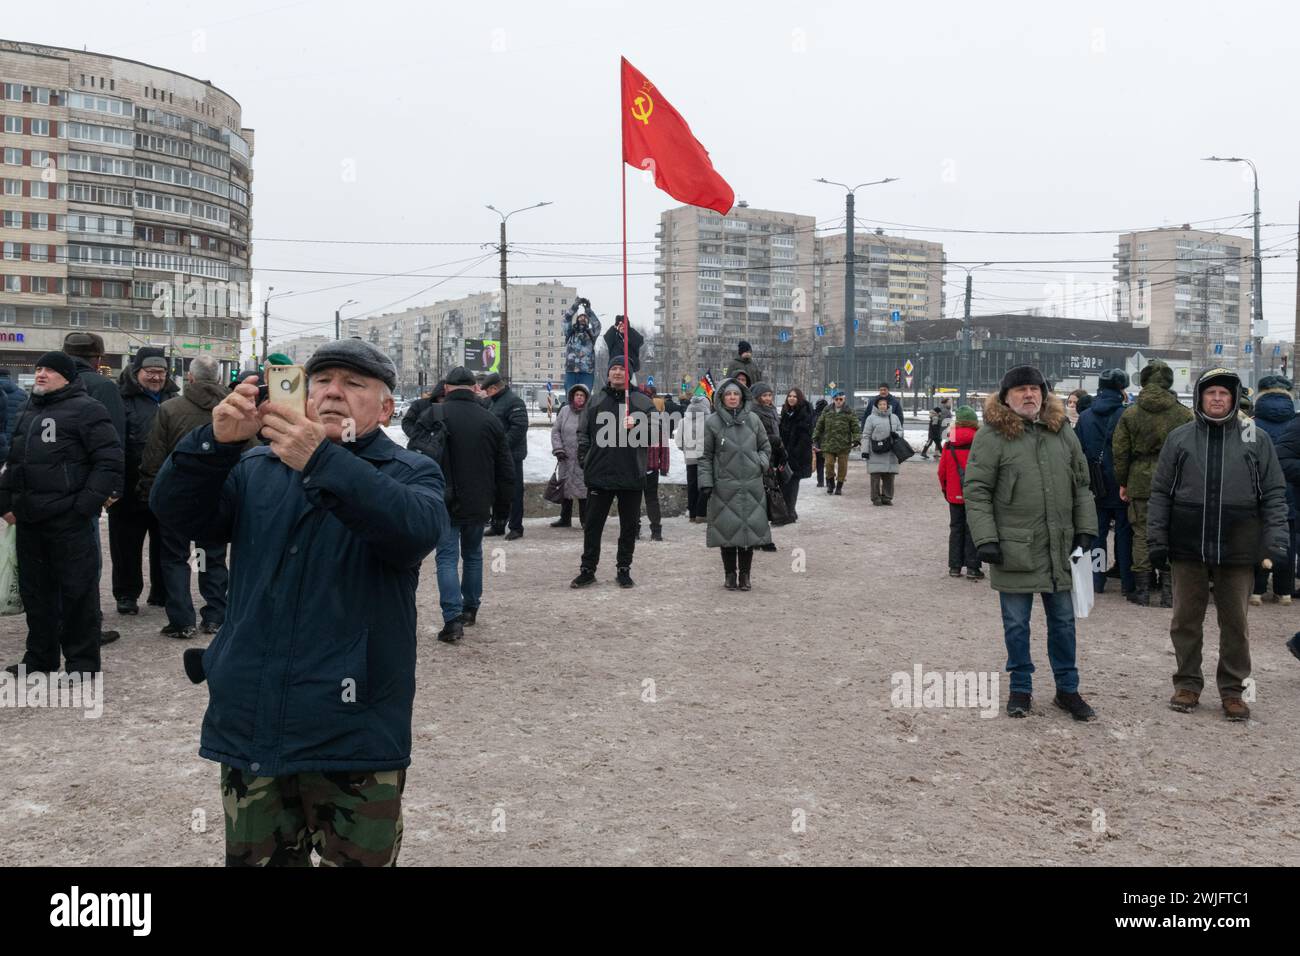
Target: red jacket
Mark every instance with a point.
(955, 452)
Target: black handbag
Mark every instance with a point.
(554, 492)
(902, 448)
(880, 446)
(777, 512)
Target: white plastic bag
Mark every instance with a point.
(1081, 578)
(10, 600)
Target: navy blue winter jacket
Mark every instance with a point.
(314, 667)
(1274, 411)
(1095, 430)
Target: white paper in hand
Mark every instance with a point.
(1081, 580)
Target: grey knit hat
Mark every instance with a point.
(354, 354)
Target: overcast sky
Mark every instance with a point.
(396, 122)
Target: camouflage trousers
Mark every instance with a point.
(1137, 518)
(348, 818)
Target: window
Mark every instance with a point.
(8, 315)
(40, 95)
(99, 104)
(40, 189)
(142, 323)
(38, 252)
(91, 133)
(13, 157)
(13, 187)
(78, 318)
(13, 250)
(40, 159)
(14, 92)
(14, 124)
(39, 284)
(42, 316)
(112, 320)
(13, 283)
(114, 290)
(38, 220)
(40, 127)
(12, 220)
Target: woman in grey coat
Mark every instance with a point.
(735, 457)
(564, 446)
(877, 431)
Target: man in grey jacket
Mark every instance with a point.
(1218, 509)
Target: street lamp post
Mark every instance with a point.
(504, 333)
(338, 324)
(266, 322)
(850, 291)
(1257, 297)
(965, 332)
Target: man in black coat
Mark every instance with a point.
(613, 451)
(87, 352)
(481, 479)
(509, 408)
(64, 463)
(614, 342)
(144, 386)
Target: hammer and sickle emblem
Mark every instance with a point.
(642, 107)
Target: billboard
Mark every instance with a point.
(483, 355)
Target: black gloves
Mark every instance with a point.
(1083, 541)
(1159, 557)
(990, 553)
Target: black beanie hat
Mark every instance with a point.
(59, 362)
(742, 347)
(1018, 376)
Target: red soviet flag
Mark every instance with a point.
(656, 137)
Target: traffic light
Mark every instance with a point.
(898, 376)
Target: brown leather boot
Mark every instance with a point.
(1184, 701)
(1234, 708)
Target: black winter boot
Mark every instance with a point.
(839, 489)
(830, 486)
(1141, 594)
(730, 581)
(744, 580)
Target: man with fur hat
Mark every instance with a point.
(1096, 427)
(1218, 509)
(1029, 505)
(1139, 436)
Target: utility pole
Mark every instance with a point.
(266, 324)
(1257, 292)
(1295, 345)
(850, 305)
(504, 333)
(964, 362)
(338, 325)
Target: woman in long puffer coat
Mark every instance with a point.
(736, 455)
(877, 430)
(564, 446)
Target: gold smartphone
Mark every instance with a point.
(287, 386)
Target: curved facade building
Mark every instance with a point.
(125, 209)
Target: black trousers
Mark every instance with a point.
(961, 546)
(733, 556)
(566, 510)
(515, 516)
(58, 577)
(651, 490)
(697, 501)
(127, 527)
(821, 464)
(599, 501)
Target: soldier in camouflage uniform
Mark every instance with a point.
(1138, 438)
(836, 433)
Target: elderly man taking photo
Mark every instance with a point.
(1029, 504)
(312, 675)
(1218, 509)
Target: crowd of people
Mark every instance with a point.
(326, 522)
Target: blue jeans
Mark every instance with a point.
(578, 378)
(455, 593)
(1059, 606)
(1123, 544)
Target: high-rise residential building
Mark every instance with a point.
(895, 281)
(125, 208)
(1190, 288)
(300, 349)
(425, 342)
(720, 279)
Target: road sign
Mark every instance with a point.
(650, 381)
(855, 325)
(783, 336)
(1249, 348)
(909, 381)
(1218, 348)
(1277, 350)
(907, 366)
(820, 331)
(549, 386)
(895, 316)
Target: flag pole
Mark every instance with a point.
(627, 322)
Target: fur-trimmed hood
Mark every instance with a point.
(1010, 425)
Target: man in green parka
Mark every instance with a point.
(836, 433)
(1029, 504)
(1139, 436)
